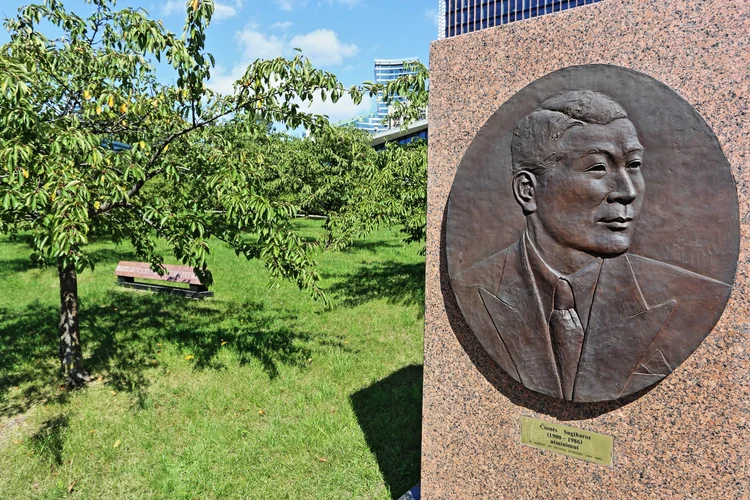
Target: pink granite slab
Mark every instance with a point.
(688, 436)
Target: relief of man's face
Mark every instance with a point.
(591, 198)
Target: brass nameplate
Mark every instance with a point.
(569, 441)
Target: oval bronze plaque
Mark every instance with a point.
(592, 233)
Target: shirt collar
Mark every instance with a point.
(582, 281)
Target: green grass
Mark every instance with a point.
(255, 393)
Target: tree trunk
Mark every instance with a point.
(71, 356)
(329, 238)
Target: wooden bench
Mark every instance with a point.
(127, 272)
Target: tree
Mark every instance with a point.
(339, 176)
(392, 192)
(336, 174)
(314, 173)
(391, 187)
(412, 88)
(321, 174)
(185, 176)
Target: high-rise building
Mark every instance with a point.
(370, 123)
(464, 16)
(361, 121)
(385, 71)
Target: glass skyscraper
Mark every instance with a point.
(385, 71)
(464, 16)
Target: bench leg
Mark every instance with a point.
(195, 291)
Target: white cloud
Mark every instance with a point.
(343, 109)
(172, 6)
(433, 16)
(287, 5)
(222, 79)
(323, 47)
(221, 10)
(348, 3)
(282, 25)
(253, 45)
(256, 45)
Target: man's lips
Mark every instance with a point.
(616, 223)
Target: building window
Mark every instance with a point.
(462, 16)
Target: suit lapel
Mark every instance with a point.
(584, 283)
(516, 311)
(620, 328)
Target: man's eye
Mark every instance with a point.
(599, 167)
(633, 165)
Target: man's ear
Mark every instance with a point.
(524, 189)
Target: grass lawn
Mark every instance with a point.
(255, 393)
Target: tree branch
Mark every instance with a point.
(187, 130)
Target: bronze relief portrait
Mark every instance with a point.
(592, 233)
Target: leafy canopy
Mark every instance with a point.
(68, 102)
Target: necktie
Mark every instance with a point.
(567, 336)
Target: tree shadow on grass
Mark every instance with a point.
(122, 334)
(389, 413)
(18, 265)
(397, 282)
(49, 440)
(29, 372)
(372, 246)
(131, 325)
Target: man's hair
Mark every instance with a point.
(534, 142)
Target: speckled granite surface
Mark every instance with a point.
(688, 436)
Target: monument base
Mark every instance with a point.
(685, 437)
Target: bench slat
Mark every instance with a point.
(193, 294)
(176, 274)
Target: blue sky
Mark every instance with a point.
(341, 36)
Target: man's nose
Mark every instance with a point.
(624, 190)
